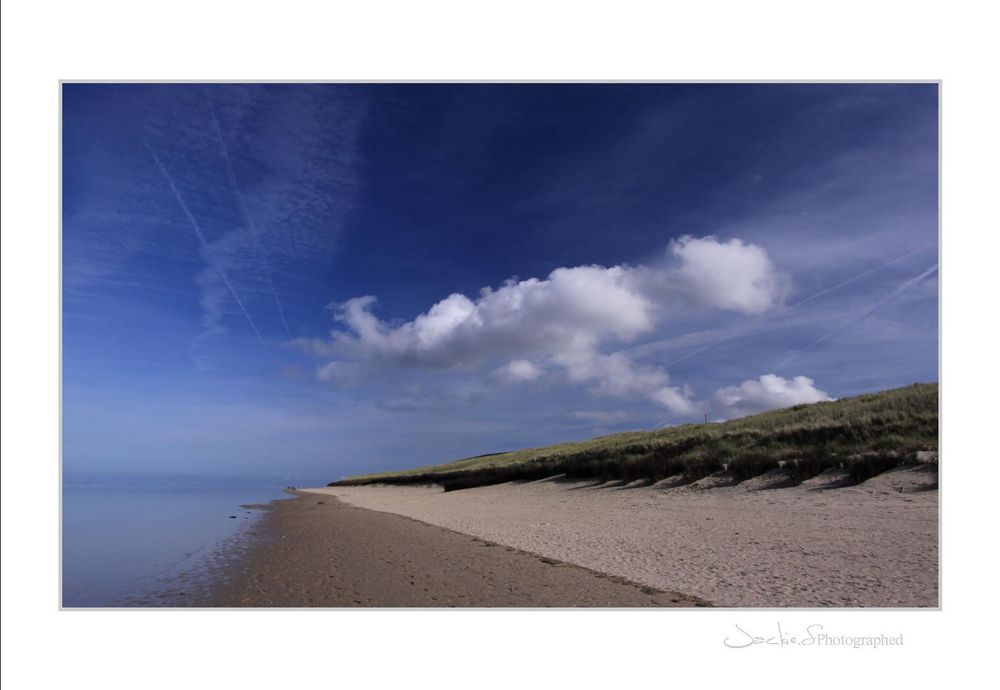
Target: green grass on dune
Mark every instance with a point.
(864, 435)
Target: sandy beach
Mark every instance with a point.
(317, 551)
(747, 545)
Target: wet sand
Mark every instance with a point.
(316, 551)
(750, 545)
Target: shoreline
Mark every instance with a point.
(319, 552)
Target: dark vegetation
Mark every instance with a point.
(864, 435)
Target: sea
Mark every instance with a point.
(130, 542)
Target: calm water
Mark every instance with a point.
(121, 543)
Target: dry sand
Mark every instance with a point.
(318, 551)
(816, 544)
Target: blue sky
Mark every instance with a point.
(308, 281)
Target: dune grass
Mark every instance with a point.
(864, 435)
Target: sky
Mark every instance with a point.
(308, 281)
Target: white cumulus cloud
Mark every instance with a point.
(573, 309)
(769, 392)
(727, 275)
(566, 321)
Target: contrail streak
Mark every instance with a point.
(912, 282)
(860, 276)
(246, 214)
(205, 248)
(808, 299)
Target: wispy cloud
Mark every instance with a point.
(246, 213)
(207, 252)
(268, 178)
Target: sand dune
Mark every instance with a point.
(816, 544)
